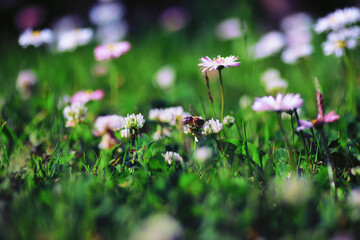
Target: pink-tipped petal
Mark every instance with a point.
(331, 117)
(304, 125)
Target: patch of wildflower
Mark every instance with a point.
(228, 121)
(218, 63)
(111, 50)
(212, 126)
(74, 114)
(36, 38)
(288, 102)
(172, 157)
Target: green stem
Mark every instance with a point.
(328, 163)
(303, 139)
(222, 96)
(292, 163)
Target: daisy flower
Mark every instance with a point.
(218, 63)
(74, 114)
(338, 19)
(172, 156)
(338, 41)
(70, 40)
(321, 117)
(279, 103)
(111, 50)
(36, 38)
(87, 95)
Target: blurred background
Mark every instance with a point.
(15, 15)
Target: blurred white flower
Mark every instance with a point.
(228, 121)
(107, 141)
(338, 19)
(353, 200)
(172, 156)
(25, 83)
(161, 133)
(296, 21)
(112, 32)
(203, 154)
(36, 38)
(170, 115)
(165, 76)
(212, 126)
(134, 121)
(245, 101)
(230, 28)
(109, 123)
(292, 191)
(338, 41)
(159, 227)
(64, 101)
(104, 13)
(74, 114)
(292, 54)
(269, 44)
(272, 80)
(70, 40)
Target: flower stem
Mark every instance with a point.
(222, 95)
(292, 164)
(328, 163)
(303, 139)
(209, 93)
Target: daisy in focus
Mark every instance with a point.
(280, 103)
(86, 96)
(36, 38)
(218, 63)
(111, 50)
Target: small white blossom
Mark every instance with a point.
(75, 113)
(172, 156)
(228, 121)
(36, 38)
(212, 126)
(269, 44)
(245, 101)
(167, 115)
(134, 121)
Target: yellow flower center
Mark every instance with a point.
(111, 47)
(341, 44)
(220, 60)
(36, 34)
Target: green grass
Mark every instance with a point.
(56, 184)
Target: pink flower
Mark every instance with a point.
(218, 63)
(279, 103)
(321, 118)
(86, 96)
(111, 50)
